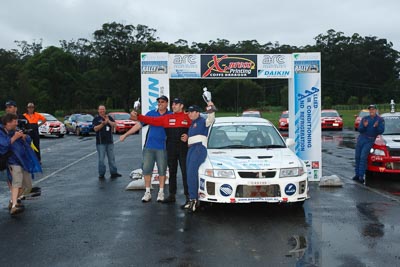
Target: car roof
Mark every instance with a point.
(241, 120)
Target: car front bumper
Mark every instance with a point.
(245, 190)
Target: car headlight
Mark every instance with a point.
(291, 172)
(220, 173)
(377, 152)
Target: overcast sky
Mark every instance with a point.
(290, 22)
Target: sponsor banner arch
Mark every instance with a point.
(302, 70)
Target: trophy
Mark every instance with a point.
(392, 106)
(207, 98)
(136, 105)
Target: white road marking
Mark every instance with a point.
(65, 167)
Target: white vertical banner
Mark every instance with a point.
(154, 83)
(305, 111)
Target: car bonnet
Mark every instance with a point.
(252, 159)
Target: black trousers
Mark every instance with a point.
(177, 155)
(34, 134)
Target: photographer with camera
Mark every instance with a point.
(21, 161)
(22, 125)
(33, 122)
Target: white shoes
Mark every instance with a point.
(160, 197)
(146, 197)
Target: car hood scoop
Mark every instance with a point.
(254, 159)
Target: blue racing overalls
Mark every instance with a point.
(197, 152)
(365, 141)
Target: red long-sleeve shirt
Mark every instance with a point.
(175, 125)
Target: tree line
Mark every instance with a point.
(80, 74)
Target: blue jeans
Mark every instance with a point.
(102, 150)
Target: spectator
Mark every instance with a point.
(22, 162)
(103, 126)
(35, 119)
(154, 151)
(370, 127)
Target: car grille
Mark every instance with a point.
(265, 174)
(396, 165)
(258, 191)
(394, 152)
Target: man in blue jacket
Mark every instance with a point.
(370, 127)
(22, 162)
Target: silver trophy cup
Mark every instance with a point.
(207, 98)
(136, 105)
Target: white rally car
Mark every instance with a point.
(52, 126)
(249, 161)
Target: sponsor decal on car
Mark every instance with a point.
(226, 190)
(257, 199)
(202, 184)
(290, 189)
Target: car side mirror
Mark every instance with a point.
(290, 142)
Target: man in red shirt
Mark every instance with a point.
(176, 125)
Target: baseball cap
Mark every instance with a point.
(11, 103)
(163, 97)
(372, 106)
(194, 108)
(177, 100)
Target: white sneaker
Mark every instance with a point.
(146, 197)
(160, 196)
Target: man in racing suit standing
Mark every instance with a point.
(370, 127)
(175, 125)
(197, 141)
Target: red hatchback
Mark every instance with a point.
(385, 153)
(331, 120)
(122, 121)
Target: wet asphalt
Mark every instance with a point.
(81, 221)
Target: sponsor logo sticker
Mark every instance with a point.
(226, 190)
(202, 184)
(290, 189)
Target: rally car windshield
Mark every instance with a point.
(122, 116)
(84, 118)
(244, 137)
(392, 125)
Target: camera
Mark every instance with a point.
(22, 126)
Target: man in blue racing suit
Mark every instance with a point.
(197, 142)
(370, 127)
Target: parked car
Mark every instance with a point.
(79, 124)
(52, 126)
(385, 153)
(362, 114)
(249, 161)
(284, 121)
(330, 119)
(122, 121)
(251, 113)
